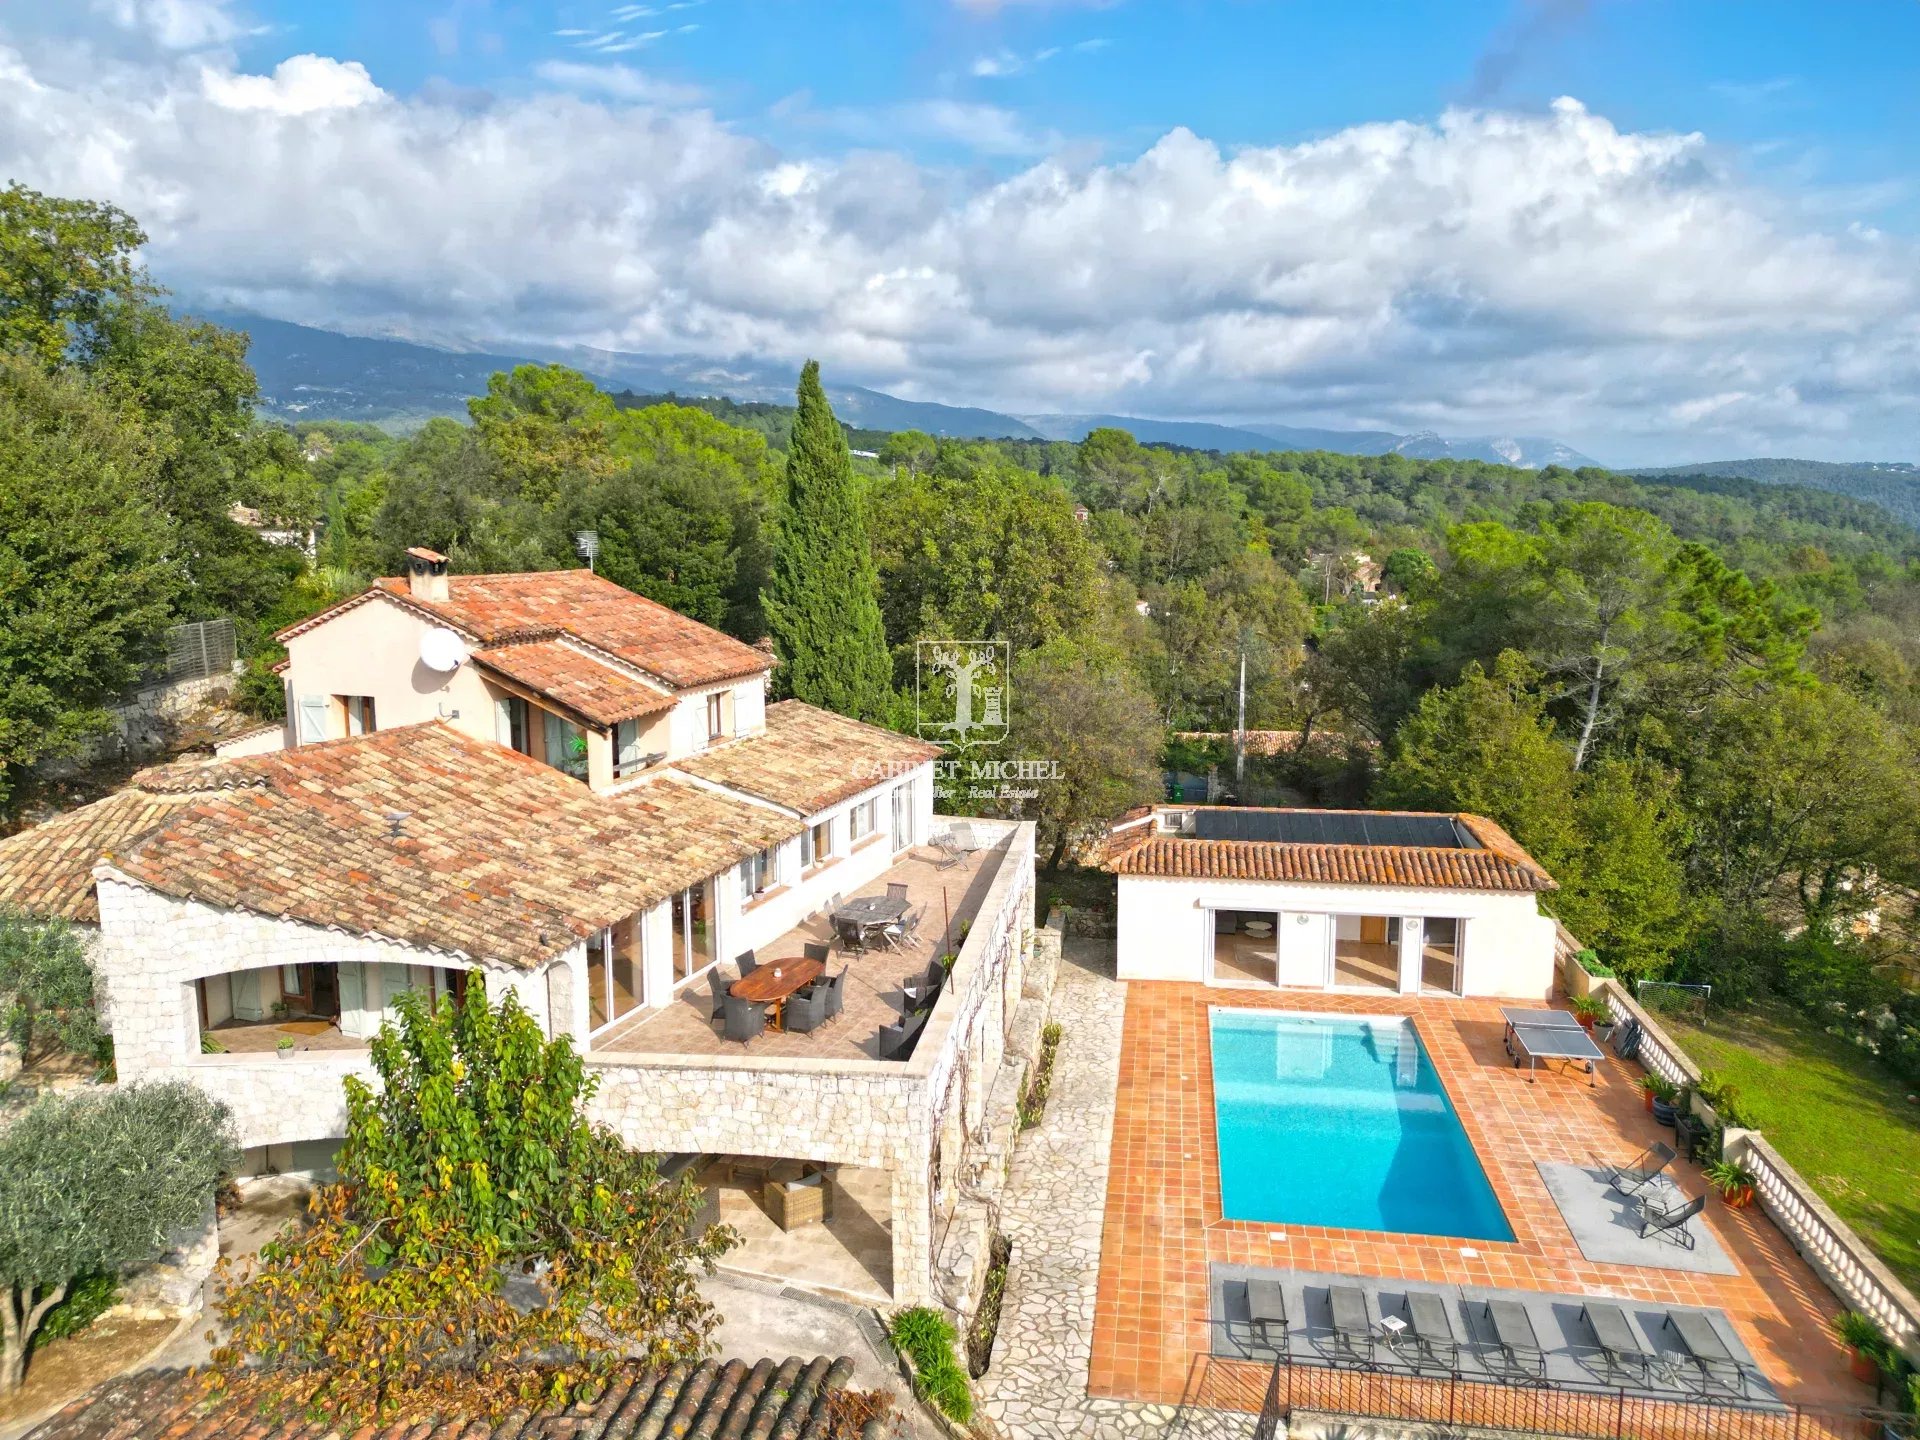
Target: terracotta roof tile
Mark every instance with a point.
(808, 759)
(1500, 865)
(47, 871)
(430, 837)
(714, 1397)
(598, 690)
(502, 609)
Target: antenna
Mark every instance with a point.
(587, 543)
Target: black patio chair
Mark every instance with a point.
(1643, 1169)
(806, 1011)
(1267, 1307)
(1430, 1331)
(1515, 1341)
(814, 950)
(923, 989)
(896, 1041)
(1613, 1335)
(836, 992)
(1666, 1222)
(851, 935)
(746, 1019)
(718, 989)
(1708, 1353)
(1352, 1330)
(1626, 1038)
(747, 963)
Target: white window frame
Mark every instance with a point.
(763, 866)
(863, 819)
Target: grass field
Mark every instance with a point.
(1838, 1118)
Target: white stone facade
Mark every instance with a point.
(922, 1121)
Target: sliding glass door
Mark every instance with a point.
(613, 973)
(694, 941)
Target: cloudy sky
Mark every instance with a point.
(1656, 232)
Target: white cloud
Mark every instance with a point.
(299, 85)
(620, 82)
(175, 24)
(1629, 292)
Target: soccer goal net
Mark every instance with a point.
(1667, 997)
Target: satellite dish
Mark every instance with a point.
(442, 650)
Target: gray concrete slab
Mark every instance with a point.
(1571, 1357)
(1606, 1224)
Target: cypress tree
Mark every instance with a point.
(822, 597)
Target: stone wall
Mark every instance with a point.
(153, 947)
(863, 1112)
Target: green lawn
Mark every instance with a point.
(1838, 1118)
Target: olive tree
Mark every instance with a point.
(97, 1183)
(47, 987)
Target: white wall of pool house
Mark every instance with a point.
(1166, 930)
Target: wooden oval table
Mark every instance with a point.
(765, 987)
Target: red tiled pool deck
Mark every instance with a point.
(1163, 1224)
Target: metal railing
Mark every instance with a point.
(1460, 1402)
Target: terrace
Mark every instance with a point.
(948, 894)
(1170, 1258)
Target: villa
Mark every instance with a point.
(1367, 902)
(585, 798)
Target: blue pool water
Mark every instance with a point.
(1342, 1122)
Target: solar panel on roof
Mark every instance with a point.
(1332, 827)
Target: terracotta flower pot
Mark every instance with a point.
(1738, 1199)
(1586, 1021)
(1862, 1366)
(1647, 1095)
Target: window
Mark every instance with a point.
(358, 713)
(816, 843)
(716, 717)
(628, 757)
(759, 873)
(513, 725)
(566, 745)
(693, 937)
(863, 819)
(903, 816)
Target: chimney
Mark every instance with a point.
(426, 574)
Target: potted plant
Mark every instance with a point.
(1865, 1343)
(1589, 1010)
(283, 1047)
(1662, 1099)
(1734, 1182)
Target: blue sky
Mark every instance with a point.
(1812, 94)
(1657, 232)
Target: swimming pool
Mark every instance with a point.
(1342, 1122)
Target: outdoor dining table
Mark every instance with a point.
(869, 912)
(772, 984)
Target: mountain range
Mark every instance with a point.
(313, 374)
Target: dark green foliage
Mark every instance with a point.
(821, 597)
(926, 1337)
(87, 1300)
(47, 988)
(88, 573)
(71, 1206)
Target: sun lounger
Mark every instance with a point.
(1657, 1219)
(1613, 1335)
(1430, 1331)
(1266, 1308)
(1645, 1168)
(1352, 1331)
(1707, 1351)
(1514, 1336)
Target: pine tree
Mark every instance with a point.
(822, 599)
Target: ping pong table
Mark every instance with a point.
(1536, 1035)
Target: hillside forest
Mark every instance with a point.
(1695, 699)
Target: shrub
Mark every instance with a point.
(86, 1302)
(472, 1161)
(1589, 961)
(925, 1337)
(46, 987)
(72, 1207)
